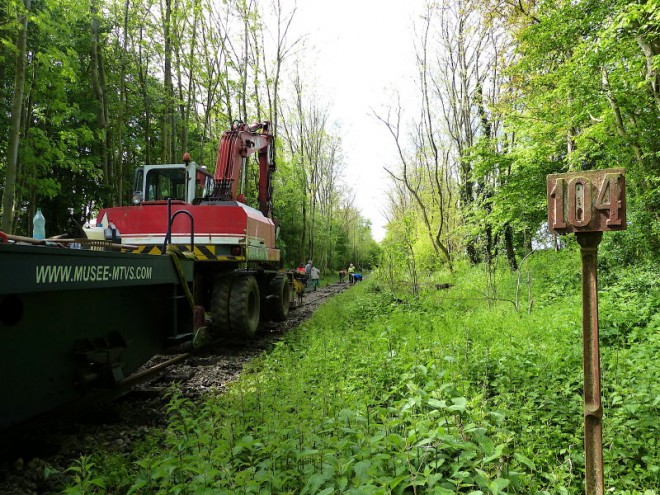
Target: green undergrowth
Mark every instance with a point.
(459, 390)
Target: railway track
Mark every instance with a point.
(138, 404)
(202, 370)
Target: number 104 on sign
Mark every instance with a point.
(588, 201)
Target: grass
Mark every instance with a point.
(451, 392)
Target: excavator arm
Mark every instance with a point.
(236, 145)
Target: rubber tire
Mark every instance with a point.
(244, 307)
(220, 304)
(279, 305)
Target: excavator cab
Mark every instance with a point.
(179, 182)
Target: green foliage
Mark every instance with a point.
(581, 93)
(625, 311)
(632, 405)
(447, 392)
(85, 483)
(582, 101)
(640, 242)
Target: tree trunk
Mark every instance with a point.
(143, 72)
(651, 49)
(510, 251)
(438, 177)
(123, 105)
(244, 65)
(618, 118)
(167, 129)
(15, 124)
(186, 111)
(99, 85)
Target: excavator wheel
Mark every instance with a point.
(220, 304)
(244, 306)
(279, 305)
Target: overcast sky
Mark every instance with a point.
(364, 50)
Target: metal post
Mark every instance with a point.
(588, 203)
(593, 410)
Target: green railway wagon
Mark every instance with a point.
(74, 320)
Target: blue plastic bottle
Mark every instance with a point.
(39, 225)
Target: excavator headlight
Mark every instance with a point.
(137, 198)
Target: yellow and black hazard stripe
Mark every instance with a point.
(201, 252)
(149, 249)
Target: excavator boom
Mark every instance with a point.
(235, 146)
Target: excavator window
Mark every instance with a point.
(166, 184)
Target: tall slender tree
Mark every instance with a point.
(11, 173)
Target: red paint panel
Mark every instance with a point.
(232, 220)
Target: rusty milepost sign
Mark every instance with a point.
(593, 201)
(589, 203)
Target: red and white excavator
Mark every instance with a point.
(236, 259)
